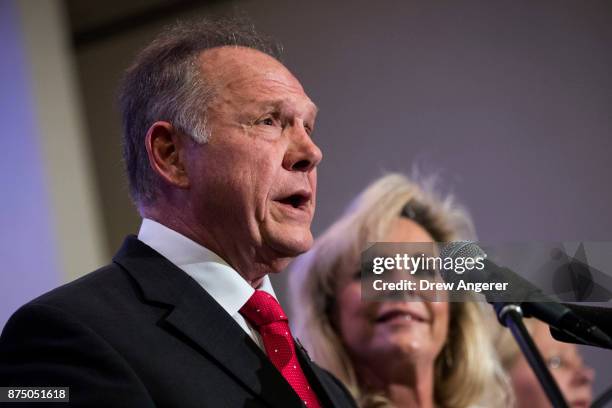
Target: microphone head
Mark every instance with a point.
(461, 249)
(518, 288)
(456, 250)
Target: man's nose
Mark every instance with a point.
(302, 154)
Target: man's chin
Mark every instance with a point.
(290, 242)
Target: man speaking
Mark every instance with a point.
(222, 167)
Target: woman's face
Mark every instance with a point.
(575, 379)
(386, 337)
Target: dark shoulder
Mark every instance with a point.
(60, 338)
(95, 289)
(333, 381)
(96, 299)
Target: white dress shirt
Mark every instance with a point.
(211, 272)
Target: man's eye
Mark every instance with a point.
(267, 121)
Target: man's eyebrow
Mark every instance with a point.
(285, 103)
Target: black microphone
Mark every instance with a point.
(600, 316)
(533, 302)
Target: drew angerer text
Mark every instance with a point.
(425, 284)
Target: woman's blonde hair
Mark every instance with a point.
(466, 370)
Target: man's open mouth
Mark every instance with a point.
(298, 200)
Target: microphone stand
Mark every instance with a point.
(511, 316)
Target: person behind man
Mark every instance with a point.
(222, 167)
(573, 376)
(410, 352)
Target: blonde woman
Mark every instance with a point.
(393, 354)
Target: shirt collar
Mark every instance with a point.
(211, 272)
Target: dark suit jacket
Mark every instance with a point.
(140, 333)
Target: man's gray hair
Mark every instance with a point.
(165, 83)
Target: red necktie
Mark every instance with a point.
(265, 313)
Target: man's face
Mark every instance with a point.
(253, 185)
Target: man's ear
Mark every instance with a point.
(166, 151)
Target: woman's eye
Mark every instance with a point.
(268, 122)
(554, 362)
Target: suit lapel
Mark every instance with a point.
(199, 320)
(328, 388)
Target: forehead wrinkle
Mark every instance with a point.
(268, 97)
(266, 85)
(265, 78)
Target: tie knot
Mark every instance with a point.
(262, 308)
